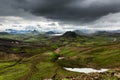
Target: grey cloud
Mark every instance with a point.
(63, 10)
(70, 10)
(9, 8)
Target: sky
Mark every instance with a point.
(62, 15)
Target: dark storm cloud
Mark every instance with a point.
(71, 9)
(64, 10)
(10, 8)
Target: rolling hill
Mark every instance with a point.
(45, 57)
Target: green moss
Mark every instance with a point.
(14, 72)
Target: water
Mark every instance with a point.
(86, 70)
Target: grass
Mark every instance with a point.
(14, 72)
(97, 52)
(98, 56)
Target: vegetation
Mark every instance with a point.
(40, 57)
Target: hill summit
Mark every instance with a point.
(70, 34)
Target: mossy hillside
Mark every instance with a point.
(13, 72)
(44, 62)
(97, 56)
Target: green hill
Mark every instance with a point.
(44, 57)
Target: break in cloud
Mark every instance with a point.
(60, 14)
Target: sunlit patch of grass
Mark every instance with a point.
(6, 64)
(14, 72)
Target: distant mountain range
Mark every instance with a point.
(28, 31)
(3, 33)
(13, 31)
(55, 33)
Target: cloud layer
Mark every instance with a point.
(93, 14)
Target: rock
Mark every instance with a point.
(117, 75)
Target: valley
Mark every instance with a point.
(44, 57)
